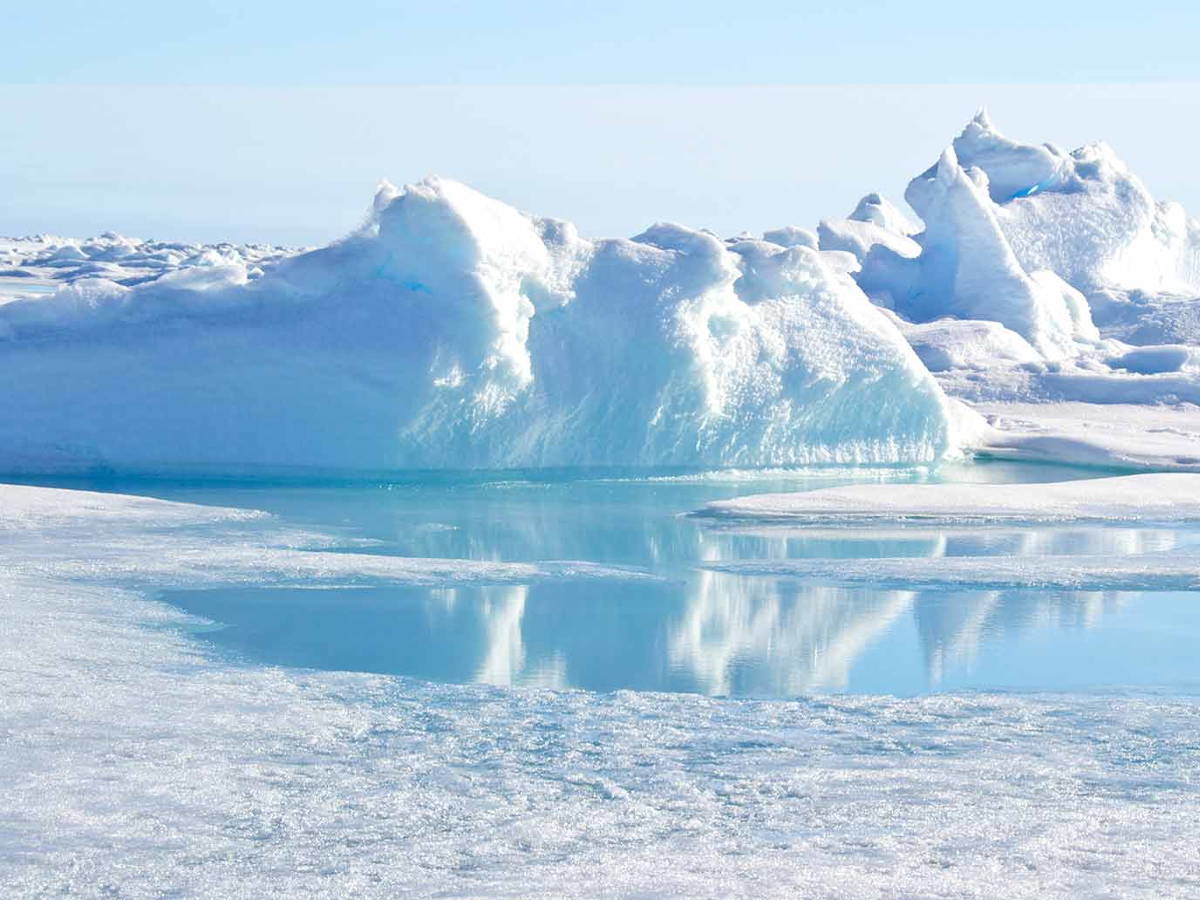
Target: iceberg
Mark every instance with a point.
(452, 331)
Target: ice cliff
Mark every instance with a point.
(454, 331)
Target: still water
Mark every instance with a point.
(691, 629)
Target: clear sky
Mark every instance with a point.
(272, 120)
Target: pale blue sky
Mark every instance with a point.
(273, 121)
(284, 42)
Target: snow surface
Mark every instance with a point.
(134, 763)
(1043, 277)
(1173, 571)
(123, 539)
(1159, 497)
(453, 331)
(1113, 435)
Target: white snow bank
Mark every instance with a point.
(1083, 216)
(968, 269)
(1112, 435)
(1149, 497)
(454, 331)
(947, 344)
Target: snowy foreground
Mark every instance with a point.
(136, 763)
(1045, 307)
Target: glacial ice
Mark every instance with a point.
(1144, 572)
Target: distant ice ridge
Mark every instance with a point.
(1046, 243)
(454, 331)
(1049, 283)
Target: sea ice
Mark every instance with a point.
(136, 761)
(454, 331)
(1160, 497)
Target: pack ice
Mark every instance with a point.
(454, 331)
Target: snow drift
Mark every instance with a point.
(454, 331)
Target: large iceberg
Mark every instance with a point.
(454, 331)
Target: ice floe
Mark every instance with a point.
(1158, 497)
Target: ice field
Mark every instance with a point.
(469, 555)
(201, 700)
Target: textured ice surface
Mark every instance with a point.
(454, 331)
(1150, 497)
(1112, 435)
(134, 763)
(138, 540)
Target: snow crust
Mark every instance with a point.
(136, 763)
(130, 540)
(1160, 497)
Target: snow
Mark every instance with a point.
(135, 762)
(130, 540)
(1159, 497)
(453, 331)
(1049, 291)
(1044, 278)
(968, 269)
(948, 344)
(1112, 435)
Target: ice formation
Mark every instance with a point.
(454, 331)
(1148, 497)
(143, 762)
(1043, 278)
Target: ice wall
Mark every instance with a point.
(454, 331)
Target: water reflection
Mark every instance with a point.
(718, 634)
(695, 630)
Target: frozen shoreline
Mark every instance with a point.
(1164, 497)
(135, 760)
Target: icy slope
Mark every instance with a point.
(454, 331)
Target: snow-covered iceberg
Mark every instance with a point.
(454, 331)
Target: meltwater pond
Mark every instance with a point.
(689, 628)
